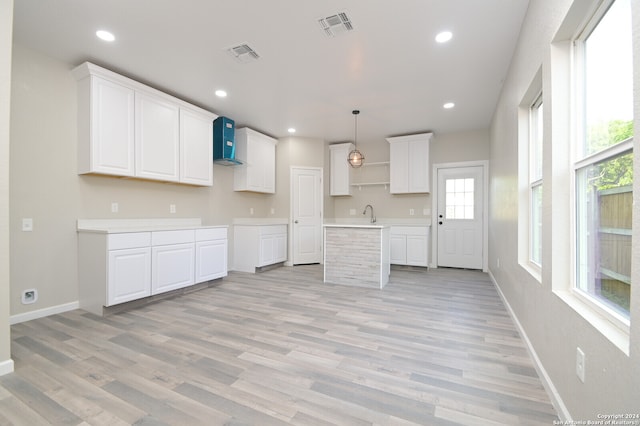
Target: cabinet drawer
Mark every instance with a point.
(161, 238)
(273, 230)
(409, 230)
(211, 234)
(128, 240)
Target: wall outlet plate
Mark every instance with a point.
(29, 296)
(27, 224)
(580, 364)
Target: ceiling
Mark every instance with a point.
(389, 67)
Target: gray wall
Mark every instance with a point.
(554, 325)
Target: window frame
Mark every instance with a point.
(580, 161)
(535, 141)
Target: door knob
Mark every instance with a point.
(440, 223)
(440, 216)
(295, 221)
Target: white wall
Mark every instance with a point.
(444, 148)
(45, 186)
(6, 30)
(554, 328)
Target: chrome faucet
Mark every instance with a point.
(373, 218)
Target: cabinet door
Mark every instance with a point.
(173, 267)
(280, 248)
(340, 170)
(111, 139)
(267, 250)
(398, 249)
(399, 167)
(258, 153)
(157, 138)
(129, 275)
(416, 250)
(269, 166)
(211, 260)
(196, 148)
(418, 157)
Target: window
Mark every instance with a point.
(459, 199)
(535, 182)
(603, 160)
(530, 170)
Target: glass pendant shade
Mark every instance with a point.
(355, 158)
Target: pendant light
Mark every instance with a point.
(355, 158)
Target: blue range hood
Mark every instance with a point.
(224, 142)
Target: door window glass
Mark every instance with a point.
(459, 199)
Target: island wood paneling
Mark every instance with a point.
(281, 347)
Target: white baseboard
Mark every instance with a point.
(45, 312)
(554, 395)
(6, 367)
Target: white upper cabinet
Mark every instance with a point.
(126, 128)
(409, 163)
(196, 148)
(340, 169)
(257, 152)
(105, 112)
(157, 138)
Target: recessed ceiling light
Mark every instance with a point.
(291, 130)
(221, 93)
(105, 35)
(444, 36)
(448, 105)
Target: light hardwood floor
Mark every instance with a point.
(282, 347)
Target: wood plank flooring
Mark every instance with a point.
(281, 347)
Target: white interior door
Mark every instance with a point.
(460, 217)
(306, 206)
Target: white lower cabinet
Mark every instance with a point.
(409, 245)
(115, 268)
(129, 273)
(258, 245)
(211, 254)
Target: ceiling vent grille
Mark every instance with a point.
(335, 25)
(243, 53)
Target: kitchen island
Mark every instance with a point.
(356, 255)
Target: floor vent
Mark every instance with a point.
(335, 25)
(243, 53)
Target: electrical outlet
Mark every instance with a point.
(27, 224)
(580, 364)
(352, 212)
(29, 296)
(273, 211)
(412, 212)
(251, 211)
(426, 212)
(172, 208)
(114, 207)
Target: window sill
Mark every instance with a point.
(533, 271)
(616, 335)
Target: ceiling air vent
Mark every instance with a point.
(336, 24)
(243, 53)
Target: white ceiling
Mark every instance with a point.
(389, 67)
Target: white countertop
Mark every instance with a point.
(260, 221)
(116, 226)
(353, 225)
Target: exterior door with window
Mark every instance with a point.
(460, 217)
